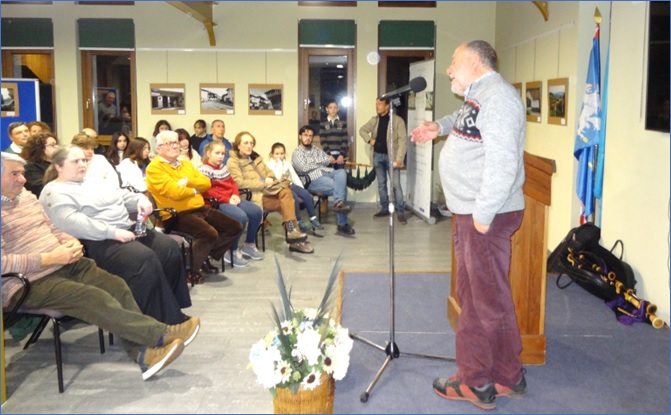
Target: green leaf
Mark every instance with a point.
(326, 300)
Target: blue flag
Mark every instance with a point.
(589, 127)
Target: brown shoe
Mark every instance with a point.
(185, 331)
(341, 207)
(294, 235)
(194, 277)
(302, 247)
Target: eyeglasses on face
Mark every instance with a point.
(169, 144)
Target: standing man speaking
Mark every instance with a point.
(482, 173)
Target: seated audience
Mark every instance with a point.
(284, 170)
(37, 152)
(199, 134)
(96, 164)
(99, 148)
(217, 131)
(250, 172)
(132, 169)
(64, 281)
(37, 127)
(117, 149)
(177, 184)
(96, 212)
(313, 162)
(161, 125)
(18, 132)
(185, 150)
(225, 191)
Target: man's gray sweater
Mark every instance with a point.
(482, 163)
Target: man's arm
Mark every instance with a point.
(368, 130)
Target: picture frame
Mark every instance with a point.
(534, 97)
(217, 99)
(10, 99)
(557, 101)
(518, 87)
(406, 4)
(265, 99)
(167, 99)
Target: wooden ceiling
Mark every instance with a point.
(201, 11)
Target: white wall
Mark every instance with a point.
(636, 183)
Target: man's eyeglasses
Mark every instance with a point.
(307, 135)
(169, 144)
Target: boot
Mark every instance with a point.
(294, 235)
(301, 247)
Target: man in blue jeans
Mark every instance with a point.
(313, 162)
(376, 132)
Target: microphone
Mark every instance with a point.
(415, 85)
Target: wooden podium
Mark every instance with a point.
(528, 266)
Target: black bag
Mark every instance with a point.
(593, 267)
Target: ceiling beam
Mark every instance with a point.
(201, 11)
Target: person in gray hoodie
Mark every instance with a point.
(482, 173)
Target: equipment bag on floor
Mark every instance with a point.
(584, 261)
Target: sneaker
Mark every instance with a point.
(303, 226)
(316, 224)
(381, 214)
(185, 332)
(238, 261)
(341, 207)
(153, 359)
(454, 390)
(401, 218)
(516, 391)
(252, 252)
(345, 229)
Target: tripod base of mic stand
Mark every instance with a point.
(392, 352)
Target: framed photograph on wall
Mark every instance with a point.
(265, 99)
(518, 87)
(534, 96)
(10, 99)
(557, 101)
(167, 99)
(217, 99)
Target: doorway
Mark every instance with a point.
(325, 75)
(108, 88)
(34, 64)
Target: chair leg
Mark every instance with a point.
(111, 337)
(101, 339)
(37, 332)
(59, 356)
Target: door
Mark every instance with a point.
(34, 64)
(326, 74)
(108, 87)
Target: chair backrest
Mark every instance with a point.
(12, 315)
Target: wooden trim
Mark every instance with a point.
(406, 4)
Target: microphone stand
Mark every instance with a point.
(391, 349)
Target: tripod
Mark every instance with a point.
(391, 349)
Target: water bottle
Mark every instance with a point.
(140, 225)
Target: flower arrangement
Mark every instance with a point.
(303, 344)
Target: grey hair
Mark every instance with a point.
(165, 135)
(11, 157)
(485, 51)
(216, 121)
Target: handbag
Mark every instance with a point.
(276, 187)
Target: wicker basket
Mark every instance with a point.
(316, 401)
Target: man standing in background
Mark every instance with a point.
(333, 136)
(376, 132)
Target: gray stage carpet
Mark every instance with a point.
(594, 363)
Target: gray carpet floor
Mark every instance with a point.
(594, 363)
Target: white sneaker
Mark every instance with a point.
(252, 252)
(238, 262)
